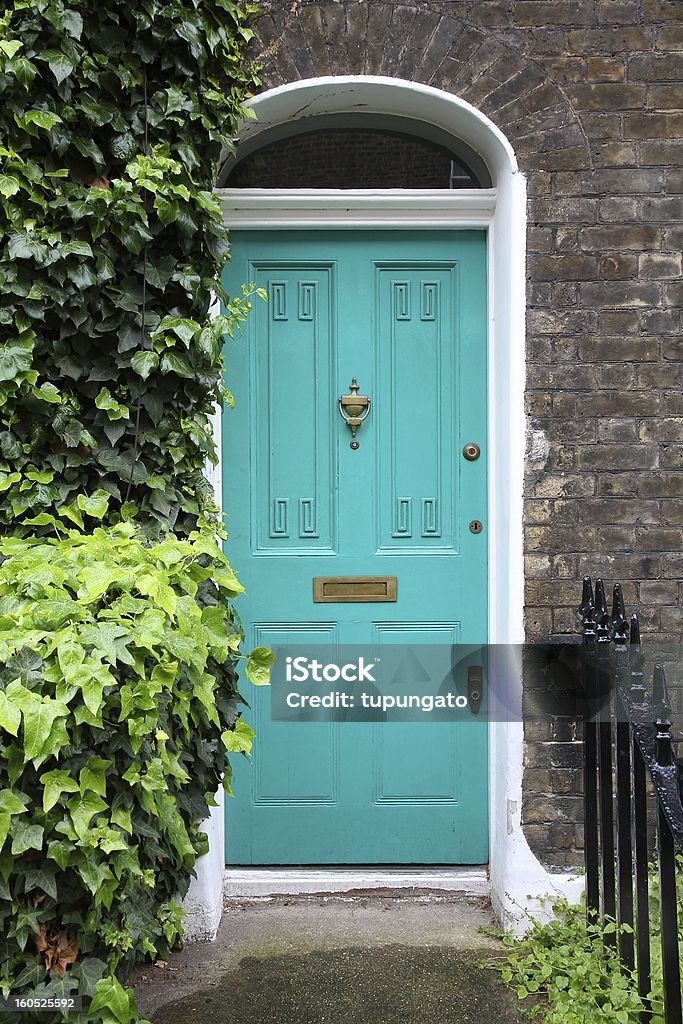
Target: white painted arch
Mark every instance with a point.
(517, 879)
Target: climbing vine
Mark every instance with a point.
(112, 121)
(119, 649)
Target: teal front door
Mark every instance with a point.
(403, 312)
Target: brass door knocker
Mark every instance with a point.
(354, 409)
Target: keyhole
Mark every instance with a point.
(476, 526)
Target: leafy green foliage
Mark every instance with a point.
(118, 700)
(112, 121)
(118, 646)
(569, 976)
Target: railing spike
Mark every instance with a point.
(587, 600)
(663, 747)
(635, 631)
(600, 599)
(618, 606)
(660, 694)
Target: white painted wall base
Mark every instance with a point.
(204, 899)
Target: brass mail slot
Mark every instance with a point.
(354, 588)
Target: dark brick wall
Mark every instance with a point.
(589, 95)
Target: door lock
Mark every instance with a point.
(471, 452)
(476, 526)
(475, 686)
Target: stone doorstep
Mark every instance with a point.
(255, 883)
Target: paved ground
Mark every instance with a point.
(366, 959)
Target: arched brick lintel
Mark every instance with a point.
(416, 44)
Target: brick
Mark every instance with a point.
(657, 592)
(607, 96)
(622, 321)
(618, 12)
(563, 211)
(661, 10)
(605, 69)
(539, 240)
(538, 779)
(538, 622)
(671, 457)
(667, 429)
(558, 538)
(633, 566)
(619, 403)
(669, 38)
(619, 348)
(651, 125)
(615, 154)
(617, 430)
(567, 485)
(550, 12)
(618, 266)
(622, 236)
(609, 41)
(566, 183)
(672, 348)
(608, 457)
(616, 293)
(623, 485)
(658, 266)
(556, 513)
(610, 182)
(574, 267)
(618, 208)
(545, 321)
(601, 126)
(662, 485)
(565, 69)
(660, 321)
(672, 510)
(664, 97)
(672, 618)
(659, 539)
(566, 239)
(661, 153)
(655, 67)
(615, 511)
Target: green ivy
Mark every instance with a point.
(118, 701)
(568, 975)
(119, 649)
(113, 117)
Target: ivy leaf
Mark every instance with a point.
(10, 715)
(40, 118)
(93, 776)
(112, 998)
(60, 65)
(54, 784)
(144, 362)
(88, 971)
(26, 836)
(94, 505)
(39, 718)
(114, 410)
(9, 185)
(239, 740)
(82, 809)
(10, 46)
(258, 665)
(41, 876)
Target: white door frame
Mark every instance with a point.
(517, 878)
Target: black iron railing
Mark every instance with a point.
(630, 777)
